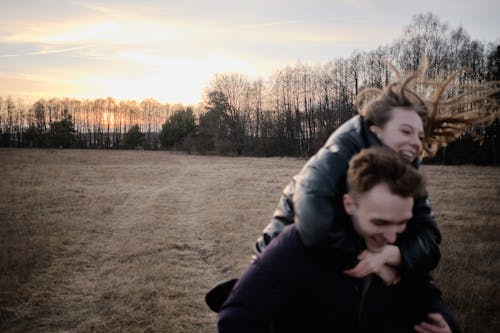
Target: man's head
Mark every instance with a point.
(382, 186)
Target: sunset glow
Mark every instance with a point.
(170, 51)
(108, 119)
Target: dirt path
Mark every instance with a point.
(148, 238)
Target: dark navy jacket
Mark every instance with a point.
(290, 288)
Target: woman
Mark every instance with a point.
(412, 126)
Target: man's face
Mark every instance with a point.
(379, 215)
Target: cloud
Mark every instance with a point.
(99, 8)
(36, 85)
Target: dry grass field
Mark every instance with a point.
(130, 241)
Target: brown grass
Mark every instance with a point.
(465, 201)
(130, 241)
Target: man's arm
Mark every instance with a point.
(435, 323)
(423, 303)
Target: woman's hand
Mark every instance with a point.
(437, 324)
(379, 263)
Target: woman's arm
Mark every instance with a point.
(382, 263)
(313, 202)
(419, 244)
(283, 215)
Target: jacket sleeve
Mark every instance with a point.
(317, 196)
(283, 215)
(423, 297)
(319, 214)
(313, 201)
(419, 244)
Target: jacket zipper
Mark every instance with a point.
(365, 285)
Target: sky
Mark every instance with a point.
(170, 50)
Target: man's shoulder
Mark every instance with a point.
(285, 252)
(287, 240)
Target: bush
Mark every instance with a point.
(134, 138)
(177, 128)
(62, 134)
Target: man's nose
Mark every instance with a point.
(390, 237)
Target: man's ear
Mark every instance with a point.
(376, 130)
(348, 203)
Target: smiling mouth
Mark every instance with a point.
(379, 241)
(408, 155)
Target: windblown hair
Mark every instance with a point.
(377, 165)
(448, 108)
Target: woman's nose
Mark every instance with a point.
(417, 143)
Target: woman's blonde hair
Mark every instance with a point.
(447, 106)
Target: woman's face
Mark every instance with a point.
(403, 133)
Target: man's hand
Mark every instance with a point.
(379, 263)
(437, 324)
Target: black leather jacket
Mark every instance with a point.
(313, 201)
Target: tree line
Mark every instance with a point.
(290, 113)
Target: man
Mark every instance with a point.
(293, 288)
